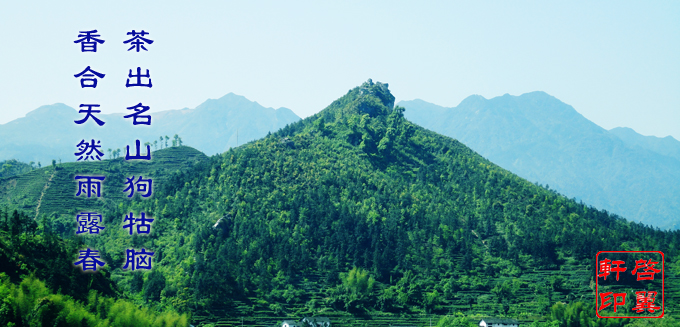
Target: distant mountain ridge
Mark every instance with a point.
(667, 146)
(213, 127)
(545, 140)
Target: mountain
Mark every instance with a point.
(49, 191)
(359, 215)
(667, 146)
(49, 132)
(546, 141)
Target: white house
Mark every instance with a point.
(316, 322)
(498, 322)
(290, 323)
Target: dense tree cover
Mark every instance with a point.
(579, 314)
(454, 321)
(40, 286)
(13, 167)
(378, 213)
(31, 303)
(28, 247)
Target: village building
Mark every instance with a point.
(498, 322)
(290, 323)
(308, 322)
(316, 322)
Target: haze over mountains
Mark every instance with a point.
(354, 213)
(544, 140)
(533, 135)
(49, 132)
(667, 146)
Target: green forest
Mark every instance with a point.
(13, 167)
(39, 286)
(354, 213)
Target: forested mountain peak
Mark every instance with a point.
(370, 98)
(353, 210)
(357, 209)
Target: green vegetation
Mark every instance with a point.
(9, 168)
(27, 247)
(458, 320)
(49, 192)
(31, 303)
(579, 314)
(357, 214)
(357, 210)
(40, 286)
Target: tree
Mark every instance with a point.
(356, 288)
(578, 314)
(432, 301)
(666, 321)
(161, 139)
(166, 140)
(154, 285)
(458, 320)
(110, 153)
(16, 223)
(155, 145)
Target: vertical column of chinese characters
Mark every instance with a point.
(138, 259)
(89, 185)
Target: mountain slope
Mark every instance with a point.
(545, 140)
(667, 146)
(49, 191)
(357, 210)
(211, 128)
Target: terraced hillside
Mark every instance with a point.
(570, 283)
(50, 191)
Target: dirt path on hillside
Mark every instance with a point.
(47, 185)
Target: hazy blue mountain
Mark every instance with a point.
(49, 132)
(546, 141)
(667, 146)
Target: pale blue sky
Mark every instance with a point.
(616, 62)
